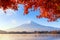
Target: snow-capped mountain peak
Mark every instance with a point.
(33, 26)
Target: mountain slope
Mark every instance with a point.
(32, 26)
(1, 32)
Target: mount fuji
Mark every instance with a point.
(33, 26)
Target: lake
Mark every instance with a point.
(29, 37)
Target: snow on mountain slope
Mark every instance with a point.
(32, 26)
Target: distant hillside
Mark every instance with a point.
(32, 26)
(2, 32)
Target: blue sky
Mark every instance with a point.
(12, 18)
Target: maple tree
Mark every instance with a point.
(49, 9)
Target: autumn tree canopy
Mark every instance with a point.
(49, 9)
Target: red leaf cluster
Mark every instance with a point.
(49, 8)
(5, 4)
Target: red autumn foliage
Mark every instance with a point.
(49, 8)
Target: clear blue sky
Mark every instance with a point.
(15, 18)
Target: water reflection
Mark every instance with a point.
(29, 37)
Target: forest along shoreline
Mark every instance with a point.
(35, 32)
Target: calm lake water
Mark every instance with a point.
(29, 37)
